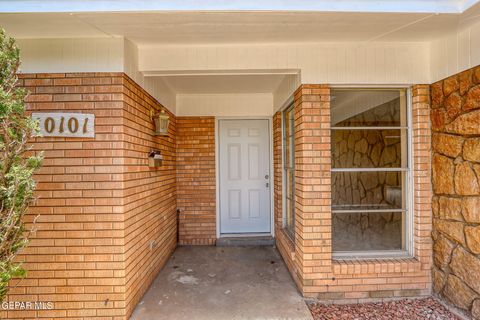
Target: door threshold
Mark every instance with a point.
(249, 241)
(245, 235)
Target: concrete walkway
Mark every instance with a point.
(223, 283)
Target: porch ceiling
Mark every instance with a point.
(219, 84)
(217, 27)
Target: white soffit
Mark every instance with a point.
(36, 26)
(223, 84)
(425, 6)
(187, 28)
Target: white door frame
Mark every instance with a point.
(217, 170)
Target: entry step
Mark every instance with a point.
(245, 241)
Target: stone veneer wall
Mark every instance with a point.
(309, 256)
(456, 184)
(100, 205)
(196, 180)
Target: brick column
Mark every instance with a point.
(319, 276)
(422, 197)
(313, 239)
(196, 180)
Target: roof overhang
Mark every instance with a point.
(403, 6)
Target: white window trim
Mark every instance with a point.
(289, 103)
(409, 192)
(374, 254)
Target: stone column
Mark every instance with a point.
(455, 119)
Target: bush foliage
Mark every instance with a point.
(17, 164)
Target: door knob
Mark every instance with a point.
(266, 176)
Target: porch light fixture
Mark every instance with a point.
(161, 120)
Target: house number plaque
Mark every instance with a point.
(75, 125)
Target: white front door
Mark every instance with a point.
(244, 175)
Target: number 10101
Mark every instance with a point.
(65, 124)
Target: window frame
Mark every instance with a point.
(408, 251)
(289, 230)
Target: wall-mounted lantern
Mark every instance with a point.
(161, 120)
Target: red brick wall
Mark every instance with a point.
(284, 244)
(312, 186)
(100, 204)
(108, 222)
(150, 208)
(196, 180)
(310, 257)
(456, 184)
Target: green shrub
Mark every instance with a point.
(17, 164)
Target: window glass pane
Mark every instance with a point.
(289, 137)
(289, 170)
(368, 148)
(369, 169)
(380, 190)
(367, 231)
(288, 154)
(292, 153)
(352, 108)
(286, 124)
(289, 183)
(289, 215)
(291, 115)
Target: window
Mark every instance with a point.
(370, 172)
(289, 171)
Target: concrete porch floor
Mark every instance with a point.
(223, 283)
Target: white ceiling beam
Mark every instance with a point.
(175, 73)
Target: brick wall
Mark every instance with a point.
(108, 222)
(150, 208)
(316, 274)
(312, 187)
(196, 180)
(283, 242)
(99, 203)
(456, 184)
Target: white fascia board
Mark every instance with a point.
(408, 6)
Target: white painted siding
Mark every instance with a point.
(284, 91)
(455, 52)
(222, 105)
(155, 86)
(343, 63)
(71, 55)
(90, 55)
(368, 63)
